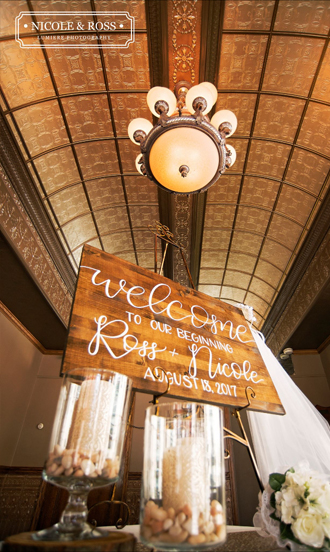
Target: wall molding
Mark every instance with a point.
(12, 318)
(24, 239)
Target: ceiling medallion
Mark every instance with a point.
(184, 152)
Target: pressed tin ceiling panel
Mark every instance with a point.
(69, 111)
(277, 187)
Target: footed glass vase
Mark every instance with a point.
(183, 484)
(86, 445)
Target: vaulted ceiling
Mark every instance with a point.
(259, 235)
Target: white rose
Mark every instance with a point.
(290, 506)
(308, 528)
(326, 526)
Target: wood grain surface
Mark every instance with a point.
(133, 321)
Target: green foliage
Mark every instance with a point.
(276, 481)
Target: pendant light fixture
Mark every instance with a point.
(184, 152)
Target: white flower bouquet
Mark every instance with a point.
(295, 509)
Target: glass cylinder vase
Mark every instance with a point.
(183, 487)
(86, 444)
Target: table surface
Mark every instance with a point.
(239, 539)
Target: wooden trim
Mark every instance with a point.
(305, 352)
(324, 345)
(4, 310)
(19, 470)
(317, 351)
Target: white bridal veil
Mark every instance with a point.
(283, 441)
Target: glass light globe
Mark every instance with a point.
(184, 147)
(138, 124)
(224, 116)
(137, 163)
(199, 91)
(159, 93)
(233, 154)
(212, 89)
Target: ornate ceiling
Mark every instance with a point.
(69, 175)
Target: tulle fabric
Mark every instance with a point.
(283, 441)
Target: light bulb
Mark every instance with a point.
(199, 91)
(138, 124)
(161, 94)
(232, 157)
(212, 89)
(224, 116)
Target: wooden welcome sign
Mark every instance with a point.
(133, 321)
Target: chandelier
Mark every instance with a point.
(185, 152)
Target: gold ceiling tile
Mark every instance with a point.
(210, 276)
(291, 64)
(257, 303)
(141, 190)
(88, 117)
(62, 5)
(118, 242)
(252, 219)
(79, 231)
(278, 117)
(248, 14)
(128, 68)
(111, 219)
(17, 138)
(312, 16)
(242, 262)
(213, 259)
(262, 289)
(322, 86)
(69, 203)
(42, 126)
(8, 11)
(307, 170)
(105, 191)
(57, 169)
(268, 158)
(240, 147)
(259, 191)
(268, 273)
(214, 238)
(97, 158)
(246, 242)
(135, 8)
(242, 105)
(77, 253)
(295, 203)
(219, 216)
(143, 215)
(276, 253)
(24, 76)
(146, 259)
(127, 107)
(237, 279)
(241, 61)
(212, 291)
(232, 294)
(128, 154)
(76, 69)
(314, 133)
(284, 231)
(129, 257)
(225, 189)
(145, 239)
